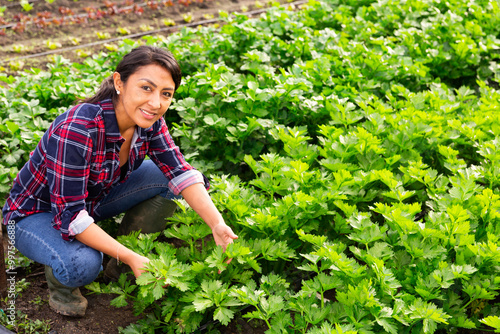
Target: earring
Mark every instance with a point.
(117, 92)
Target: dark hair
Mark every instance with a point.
(131, 62)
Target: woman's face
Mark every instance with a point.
(144, 98)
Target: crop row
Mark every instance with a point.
(67, 16)
(353, 146)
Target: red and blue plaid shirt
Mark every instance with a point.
(76, 163)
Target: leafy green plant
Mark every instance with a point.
(19, 48)
(352, 146)
(111, 47)
(187, 17)
(25, 324)
(26, 5)
(123, 288)
(123, 31)
(492, 321)
(266, 306)
(145, 27)
(53, 45)
(103, 35)
(169, 22)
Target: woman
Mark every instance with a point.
(90, 165)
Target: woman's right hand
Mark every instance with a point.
(95, 237)
(137, 269)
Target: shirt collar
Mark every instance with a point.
(111, 124)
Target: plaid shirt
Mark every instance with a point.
(76, 163)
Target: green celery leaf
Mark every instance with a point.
(224, 315)
(201, 304)
(492, 321)
(119, 301)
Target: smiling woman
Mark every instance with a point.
(90, 165)
(145, 97)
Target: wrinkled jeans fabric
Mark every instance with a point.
(75, 264)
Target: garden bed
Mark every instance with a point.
(80, 28)
(35, 315)
(353, 148)
(25, 48)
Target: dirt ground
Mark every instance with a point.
(79, 24)
(100, 318)
(66, 24)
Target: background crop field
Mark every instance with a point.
(352, 145)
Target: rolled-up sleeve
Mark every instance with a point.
(80, 223)
(181, 182)
(166, 154)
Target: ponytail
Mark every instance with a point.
(106, 90)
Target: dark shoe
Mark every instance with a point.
(148, 217)
(63, 299)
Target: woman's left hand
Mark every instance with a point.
(197, 197)
(223, 235)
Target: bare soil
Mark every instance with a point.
(63, 24)
(101, 318)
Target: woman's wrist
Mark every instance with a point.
(125, 255)
(218, 224)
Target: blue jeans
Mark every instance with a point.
(75, 264)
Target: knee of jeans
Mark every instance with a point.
(82, 267)
(168, 194)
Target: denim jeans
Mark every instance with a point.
(74, 264)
